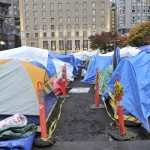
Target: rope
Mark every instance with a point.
(54, 124)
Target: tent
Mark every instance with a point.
(134, 75)
(97, 62)
(18, 90)
(65, 58)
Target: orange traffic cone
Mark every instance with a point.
(97, 104)
(64, 82)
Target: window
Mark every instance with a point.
(77, 44)
(60, 34)
(76, 5)
(69, 44)
(60, 19)
(68, 19)
(93, 4)
(26, 14)
(77, 33)
(102, 26)
(85, 26)
(102, 11)
(35, 13)
(52, 12)
(93, 32)
(68, 12)
(102, 18)
(26, 6)
(27, 28)
(84, 12)
(45, 44)
(68, 5)
(52, 20)
(93, 26)
(84, 4)
(93, 11)
(84, 19)
(44, 20)
(61, 45)
(36, 35)
(36, 27)
(68, 34)
(76, 19)
(52, 27)
(76, 12)
(32, 44)
(44, 34)
(84, 33)
(53, 45)
(51, 5)
(52, 34)
(77, 26)
(44, 27)
(43, 13)
(102, 4)
(93, 19)
(43, 6)
(59, 12)
(60, 27)
(35, 20)
(34, 6)
(59, 5)
(85, 44)
(27, 35)
(68, 26)
(27, 20)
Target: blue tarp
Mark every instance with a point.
(98, 62)
(17, 144)
(145, 48)
(51, 71)
(66, 58)
(134, 75)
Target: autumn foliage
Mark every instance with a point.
(102, 41)
(139, 35)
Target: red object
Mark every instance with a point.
(42, 110)
(96, 90)
(122, 129)
(64, 80)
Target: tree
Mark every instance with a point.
(102, 41)
(139, 35)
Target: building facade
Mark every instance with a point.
(113, 9)
(62, 25)
(131, 13)
(9, 24)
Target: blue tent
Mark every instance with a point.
(51, 71)
(97, 62)
(145, 48)
(66, 58)
(134, 75)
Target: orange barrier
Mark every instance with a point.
(64, 82)
(118, 97)
(97, 104)
(42, 110)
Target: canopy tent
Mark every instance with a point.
(134, 75)
(65, 58)
(18, 80)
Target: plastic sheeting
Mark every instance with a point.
(98, 62)
(145, 48)
(134, 75)
(26, 53)
(65, 58)
(69, 68)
